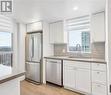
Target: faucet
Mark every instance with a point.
(78, 47)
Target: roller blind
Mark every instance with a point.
(79, 24)
(6, 24)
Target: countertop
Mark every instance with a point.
(77, 59)
(9, 75)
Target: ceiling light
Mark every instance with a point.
(75, 8)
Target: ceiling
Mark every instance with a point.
(51, 10)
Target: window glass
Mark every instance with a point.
(6, 52)
(5, 41)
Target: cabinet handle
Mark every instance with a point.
(98, 64)
(98, 72)
(98, 85)
(75, 68)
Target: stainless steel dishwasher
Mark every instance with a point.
(54, 71)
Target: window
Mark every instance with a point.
(6, 48)
(79, 34)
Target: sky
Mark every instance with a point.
(5, 39)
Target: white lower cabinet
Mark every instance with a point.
(99, 77)
(99, 89)
(85, 77)
(99, 80)
(69, 77)
(83, 80)
(76, 78)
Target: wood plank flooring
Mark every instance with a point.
(32, 89)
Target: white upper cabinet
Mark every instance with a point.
(33, 27)
(57, 33)
(98, 27)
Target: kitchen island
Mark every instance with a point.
(10, 81)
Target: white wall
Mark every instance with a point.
(108, 41)
(15, 46)
(21, 46)
(47, 47)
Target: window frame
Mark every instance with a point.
(11, 52)
(82, 52)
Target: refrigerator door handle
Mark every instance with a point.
(32, 47)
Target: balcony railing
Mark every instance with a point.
(6, 58)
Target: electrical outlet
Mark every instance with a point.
(63, 50)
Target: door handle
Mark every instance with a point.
(52, 61)
(32, 47)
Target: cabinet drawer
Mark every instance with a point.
(98, 89)
(69, 63)
(83, 65)
(98, 66)
(99, 77)
(69, 67)
(77, 64)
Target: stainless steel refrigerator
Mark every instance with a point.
(33, 56)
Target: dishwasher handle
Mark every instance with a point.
(51, 61)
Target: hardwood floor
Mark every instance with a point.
(32, 89)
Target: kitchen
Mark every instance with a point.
(62, 50)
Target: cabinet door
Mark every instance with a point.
(33, 27)
(57, 32)
(98, 27)
(99, 77)
(69, 77)
(52, 33)
(99, 89)
(83, 80)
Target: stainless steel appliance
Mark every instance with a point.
(33, 56)
(54, 71)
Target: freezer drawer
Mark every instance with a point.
(33, 71)
(54, 71)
